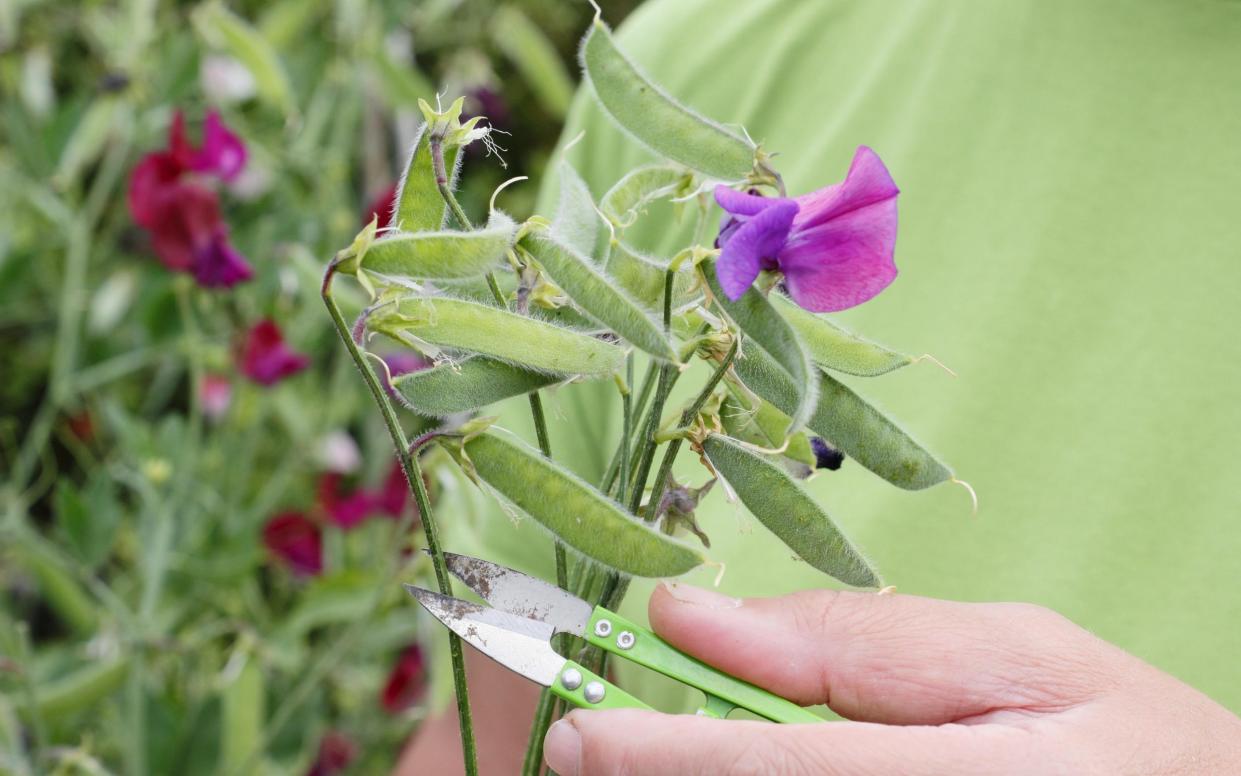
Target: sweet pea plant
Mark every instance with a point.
(502, 309)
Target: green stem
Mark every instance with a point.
(687, 417)
(413, 473)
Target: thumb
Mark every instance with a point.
(631, 742)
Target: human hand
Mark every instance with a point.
(930, 687)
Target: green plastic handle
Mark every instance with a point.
(588, 690)
(609, 631)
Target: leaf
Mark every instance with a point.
(88, 520)
(572, 509)
(644, 278)
(773, 497)
(535, 56)
(850, 425)
(466, 385)
(482, 328)
(442, 255)
(419, 204)
(576, 223)
(224, 29)
(599, 296)
(766, 331)
(654, 118)
(58, 585)
(833, 347)
(628, 197)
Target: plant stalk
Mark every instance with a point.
(413, 474)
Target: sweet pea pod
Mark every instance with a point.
(850, 424)
(483, 328)
(653, 117)
(631, 194)
(72, 692)
(572, 509)
(599, 296)
(833, 347)
(643, 278)
(576, 223)
(419, 205)
(442, 255)
(773, 497)
(477, 290)
(466, 385)
(242, 713)
(766, 331)
(758, 422)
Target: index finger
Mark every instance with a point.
(895, 659)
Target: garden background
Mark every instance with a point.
(197, 511)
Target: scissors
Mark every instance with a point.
(527, 611)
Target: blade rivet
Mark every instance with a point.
(571, 678)
(624, 640)
(594, 692)
(603, 628)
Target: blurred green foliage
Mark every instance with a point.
(143, 628)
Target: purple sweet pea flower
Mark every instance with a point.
(833, 246)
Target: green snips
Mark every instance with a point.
(517, 634)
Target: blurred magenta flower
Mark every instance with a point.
(348, 510)
(216, 392)
(266, 359)
(834, 246)
(336, 752)
(381, 207)
(407, 682)
(296, 541)
(182, 215)
(401, 363)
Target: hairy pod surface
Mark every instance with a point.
(850, 424)
(576, 223)
(466, 385)
(773, 497)
(767, 331)
(657, 120)
(599, 296)
(643, 278)
(446, 255)
(419, 205)
(837, 349)
(575, 511)
(757, 421)
(481, 328)
(629, 196)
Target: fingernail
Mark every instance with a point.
(562, 748)
(697, 596)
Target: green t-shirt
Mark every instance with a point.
(1070, 244)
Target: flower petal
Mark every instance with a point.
(222, 153)
(296, 541)
(844, 261)
(867, 183)
(754, 246)
(266, 359)
(740, 203)
(217, 264)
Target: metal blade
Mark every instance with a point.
(518, 644)
(521, 594)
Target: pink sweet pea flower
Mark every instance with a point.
(296, 541)
(346, 511)
(183, 216)
(407, 682)
(266, 359)
(392, 498)
(336, 752)
(833, 246)
(216, 392)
